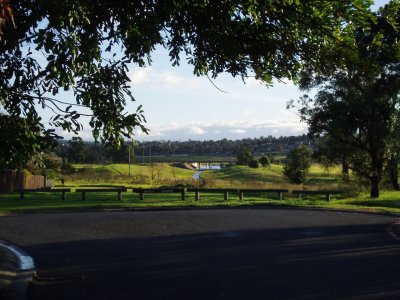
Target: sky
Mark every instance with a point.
(181, 106)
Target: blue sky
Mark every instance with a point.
(180, 106)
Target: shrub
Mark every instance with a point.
(253, 163)
(67, 169)
(244, 156)
(264, 161)
(298, 164)
(52, 162)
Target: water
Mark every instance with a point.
(196, 175)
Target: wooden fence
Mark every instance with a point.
(12, 180)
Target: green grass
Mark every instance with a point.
(42, 201)
(163, 174)
(143, 175)
(243, 176)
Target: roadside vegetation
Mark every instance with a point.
(229, 176)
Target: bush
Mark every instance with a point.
(67, 169)
(298, 164)
(264, 161)
(244, 156)
(52, 162)
(253, 164)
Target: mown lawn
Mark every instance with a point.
(163, 174)
(42, 201)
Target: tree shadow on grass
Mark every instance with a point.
(377, 203)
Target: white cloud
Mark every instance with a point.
(233, 129)
(196, 131)
(238, 131)
(170, 79)
(140, 76)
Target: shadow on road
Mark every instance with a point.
(359, 261)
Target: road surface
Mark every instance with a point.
(209, 254)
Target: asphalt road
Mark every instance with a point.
(209, 254)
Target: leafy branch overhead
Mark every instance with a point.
(84, 49)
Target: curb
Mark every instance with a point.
(16, 271)
(394, 230)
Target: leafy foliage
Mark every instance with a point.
(21, 142)
(244, 156)
(265, 161)
(298, 164)
(254, 163)
(84, 49)
(357, 105)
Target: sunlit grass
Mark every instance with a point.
(42, 201)
(165, 175)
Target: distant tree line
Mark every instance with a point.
(78, 151)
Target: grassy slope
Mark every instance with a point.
(117, 175)
(269, 177)
(234, 176)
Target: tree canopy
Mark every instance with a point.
(86, 48)
(357, 105)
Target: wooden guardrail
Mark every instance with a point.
(197, 192)
(280, 192)
(102, 190)
(240, 192)
(320, 192)
(62, 191)
(142, 191)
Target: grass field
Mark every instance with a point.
(143, 175)
(272, 177)
(163, 174)
(42, 201)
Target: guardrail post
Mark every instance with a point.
(226, 195)
(328, 197)
(240, 195)
(280, 196)
(141, 195)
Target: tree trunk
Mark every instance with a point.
(345, 171)
(394, 173)
(345, 167)
(374, 186)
